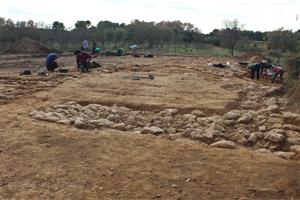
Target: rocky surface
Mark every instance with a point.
(258, 122)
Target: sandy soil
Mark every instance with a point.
(41, 160)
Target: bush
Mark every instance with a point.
(293, 66)
(293, 69)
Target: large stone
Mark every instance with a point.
(62, 106)
(119, 126)
(153, 130)
(290, 127)
(285, 155)
(245, 118)
(102, 123)
(79, 123)
(114, 118)
(270, 102)
(189, 117)
(168, 112)
(203, 121)
(254, 137)
(295, 148)
(273, 136)
(293, 140)
(176, 136)
(64, 121)
(262, 128)
(228, 122)
(131, 120)
(224, 144)
(233, 114)
(249, 104)
(218, 127)
(88, 112)
(123, 111)
(273, 108)
(49, 117)
(291, 118)
(93, 107)
(198, 113)
(264, 151)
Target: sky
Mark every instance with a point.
(256, 15)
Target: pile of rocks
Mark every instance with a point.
(259, 122)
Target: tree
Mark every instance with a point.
(58, 26)
(21, 24)
(83, 24)
(281, 41)
(41, 25)
(120, 35)
(230, 35)
(2, 21)
(103, 25)
(9, 23)
(30, 24)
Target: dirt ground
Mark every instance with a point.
(42, 160)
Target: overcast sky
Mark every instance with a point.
(263, 15)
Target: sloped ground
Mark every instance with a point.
(45, 160)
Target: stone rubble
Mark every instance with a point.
(260, 123)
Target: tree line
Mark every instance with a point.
(147, 34)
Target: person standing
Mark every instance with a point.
(85, 45)
(94, 46)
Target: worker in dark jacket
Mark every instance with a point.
(82, 60)
(255, 69)
(52, 61)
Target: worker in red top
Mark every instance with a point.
(83, 61)
(277, 70)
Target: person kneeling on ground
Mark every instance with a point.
(277, 71)
(83, 61)
(52, 62)
(255, 69)
(134, 49)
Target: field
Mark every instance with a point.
(187, 131)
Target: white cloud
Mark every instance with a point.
(207, 15)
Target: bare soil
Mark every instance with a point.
(42, 160)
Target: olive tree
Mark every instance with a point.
(231, 34)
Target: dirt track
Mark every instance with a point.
(42, 160)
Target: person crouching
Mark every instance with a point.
(255, 69)
(52, 62)
(277, 70)
(83, 61)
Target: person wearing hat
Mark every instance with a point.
(52, 61)
(96, 52)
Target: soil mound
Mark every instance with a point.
(252, 57)
(29, 46)
(256, 59)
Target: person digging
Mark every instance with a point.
(52, 62)
(255, 70)
(83, 61)
(277, 71)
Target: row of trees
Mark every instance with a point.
(144, 33)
